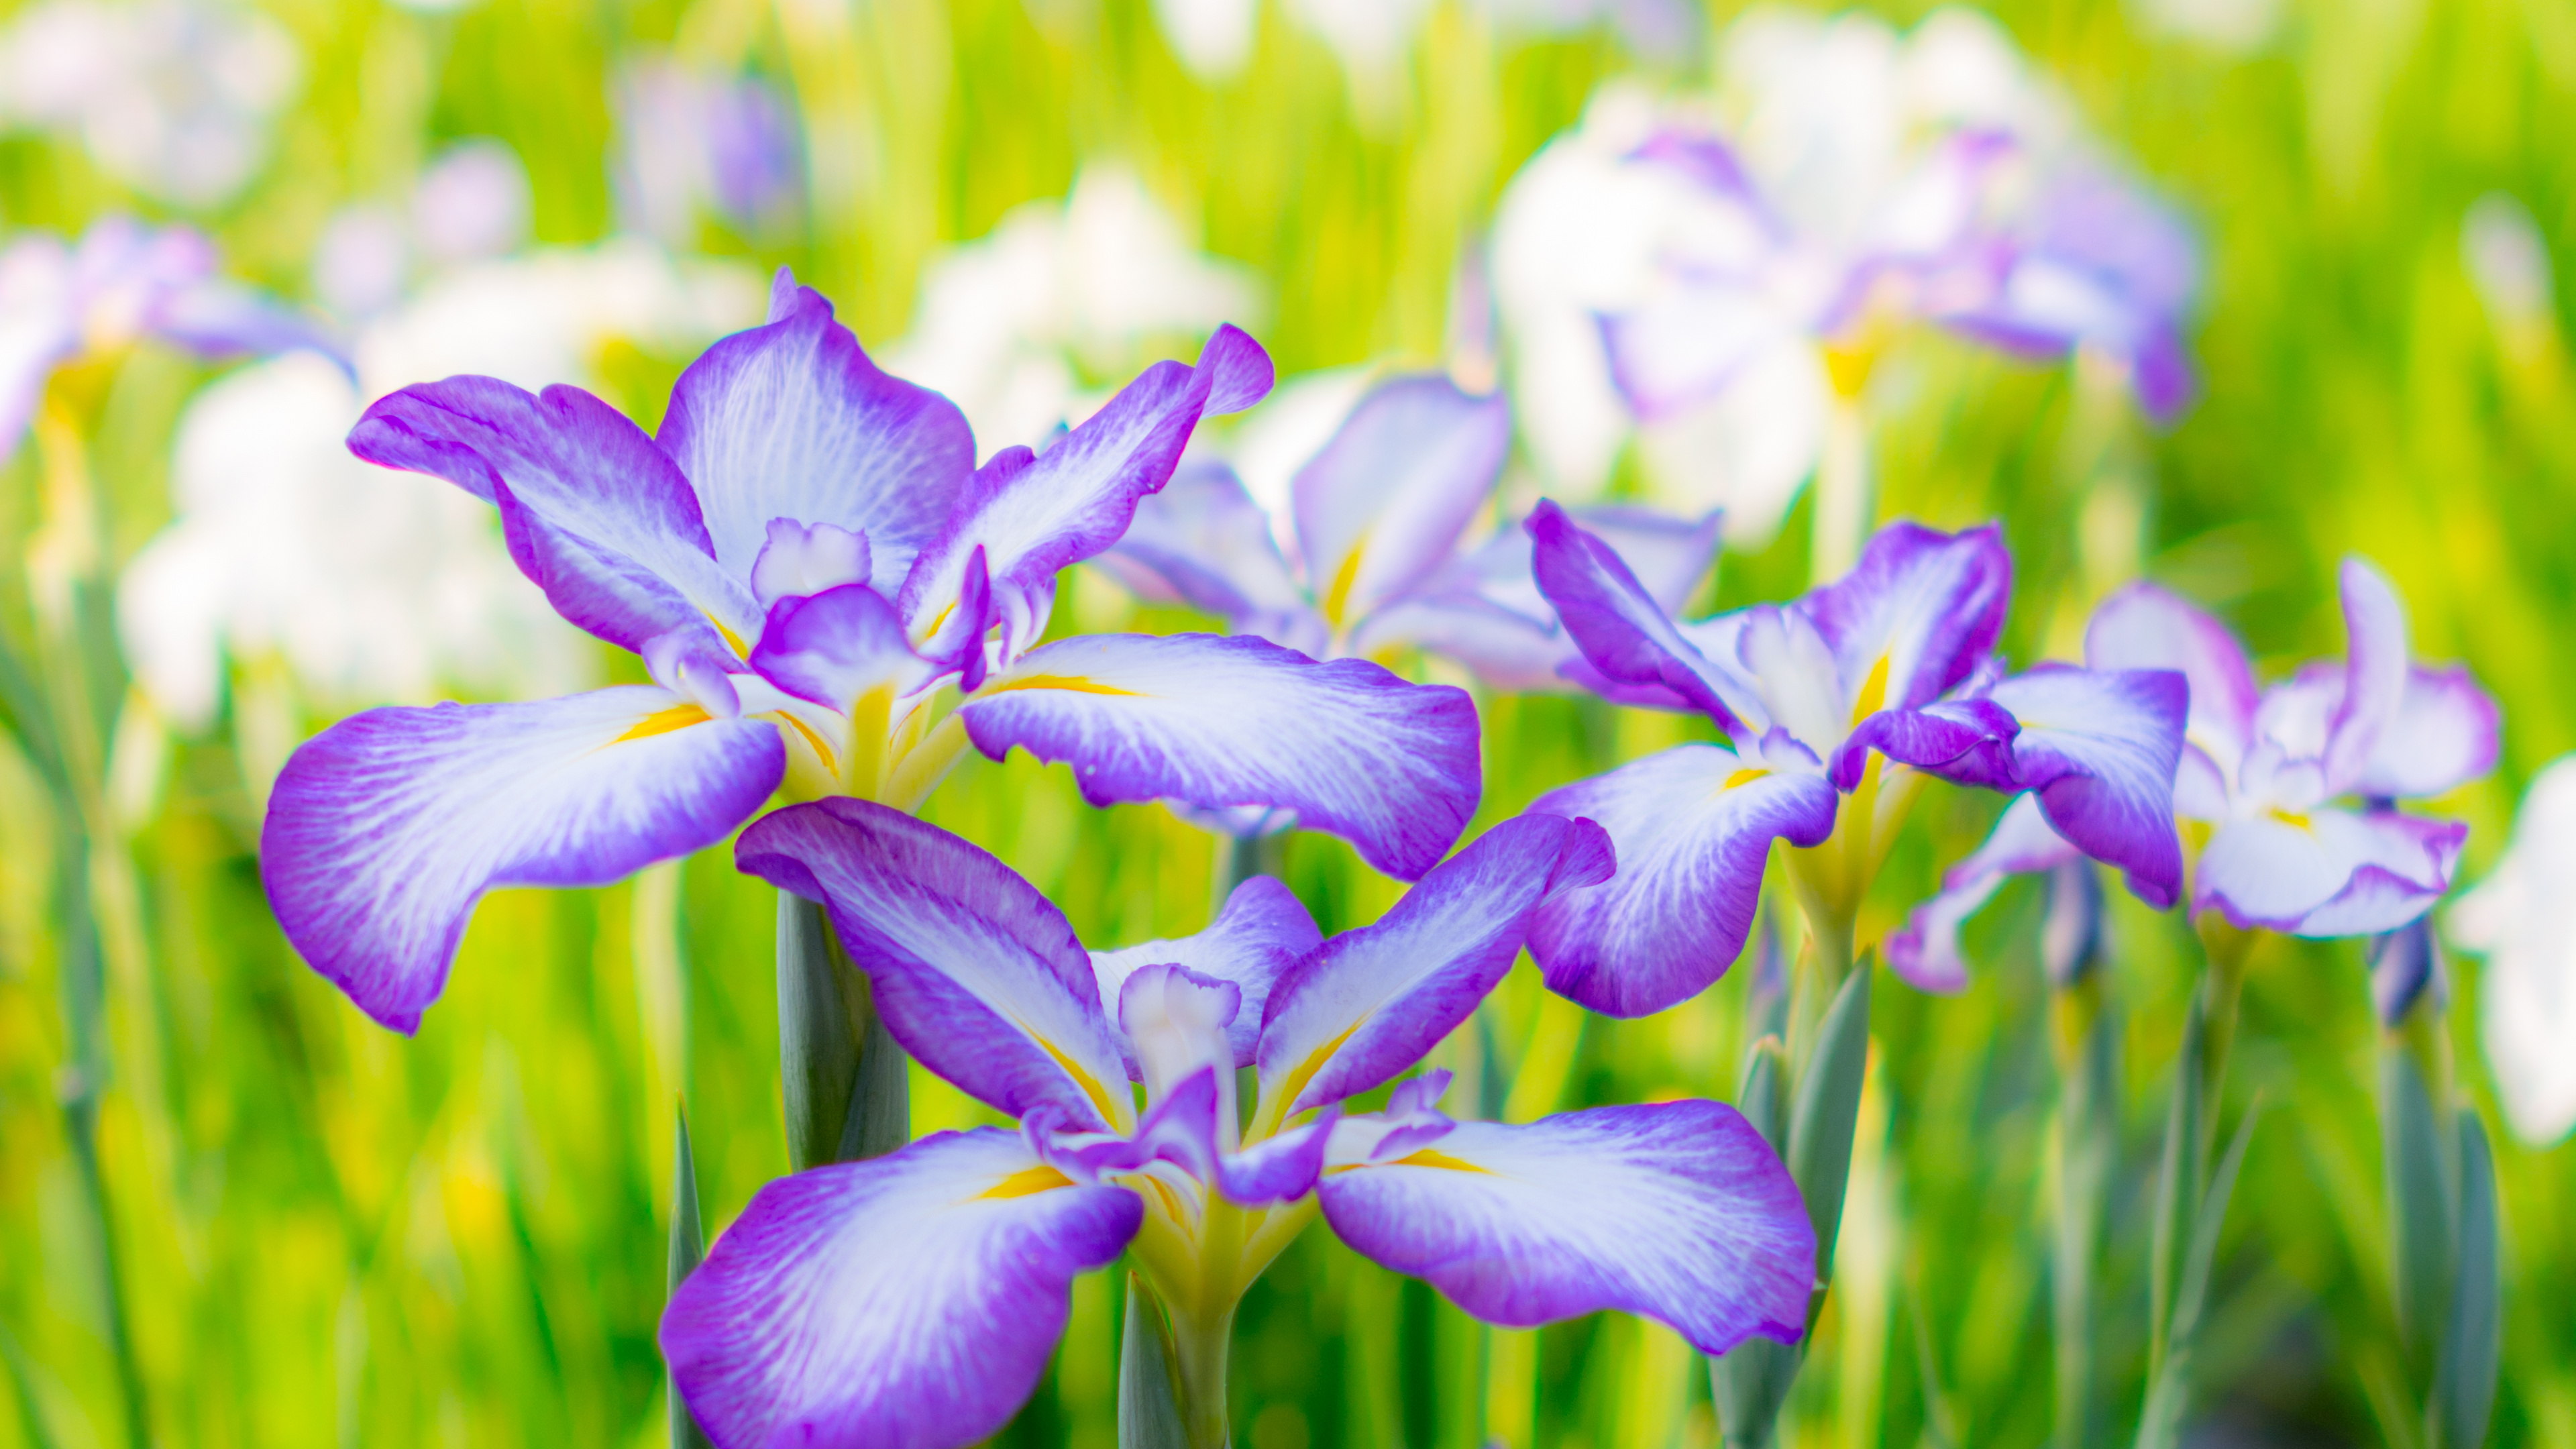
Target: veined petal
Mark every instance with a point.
(1262, 931)
(792, 420)
(2101, 748)
(1969, 741)
(1693, 827)
(2443, 736)
(1203, 542)
(1507, 650)
(975, 972)
(1926, 950)
(1678, 1211)
(834, 646)
(2145, 626)
(2329, 872)
(1924, 606)
(1621, 628)
(385, 829)
(1383, 504)
(906, 1302)
(2375, 673)
(1216, 722)
(1367, 1004)
(1034, 516)
(599, 500)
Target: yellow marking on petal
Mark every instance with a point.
(1427, 1157)
(822, 751)
(1742, 777)
(662, 722)
(1296, 1080)
(1027, 1180)
(1073, 683)
(1090, 1085)
(1337, 599)
(936, 620)
(1873, 692)
(2292, 819)
(732, 639)
(1162, 1190)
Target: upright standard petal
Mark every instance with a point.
(975, 972)
(2101, 748)
(1678, 1211)
(1263, 930)
(1925, 951)
(1623, 631)
(1917, 616)
(2328, 872)
(2375, 671)
(1383, 504)
(1217, 722)
(597, 515)
(1033, 516)
(1693, 827)
(792, 420)
(1369, 1003)
(2442, 736)
(834, 646)
(2145, 626)
(907, 1302)
(385, 829)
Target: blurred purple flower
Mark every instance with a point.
(694, 145)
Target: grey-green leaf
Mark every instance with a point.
(842, 1076)
(1828, 1111)
(688, 1249)
(2417, 1162)
(1149, 1408)
(2464, 1386)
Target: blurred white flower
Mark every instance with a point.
(172, 97)
(2522, 917)
(2236, 27)
(375, 585)
(471, 204)
(1007, 325)
(1213, 38)
(2508, 264)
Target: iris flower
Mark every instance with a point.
(1379, 517)
(915, 1298)
(2289, 792)
(1836, 707)
(804, 555)
(2522, 918)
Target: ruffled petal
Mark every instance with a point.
(2101, 748)
(975, 972)
(1262, 931)
(1678, 1211)
(2442, 737)
(1203, 542)
(1216, 722)
(1033, 516)
(1383, 504)
(1969, 741)
(385, 829)
(1925, 952)
(595, 513)
(1623, 632)
(1922, 606)
(907, 1302)
(834, 646)
(2375, 673)
(792, 420)
(2329, 872)
(1367, 1004)
(1693, 827)
(2145, 626)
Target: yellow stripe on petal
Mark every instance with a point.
(1429, 1157)
(2293, 819)
(1742, 777)
(1873, 692)
(822, 751)
(1337, 599)
(732, 639)
(1090, 1084)
(1305, 1072)
(662, 722)
(1073, 683)
(1040, 1178)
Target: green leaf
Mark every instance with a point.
(2421, 1192)
(2088, 1122)
(2170, 1388)
(2465, 1384)
(846, 1091)
(2177, 1189)
(1828, 1112)
(22, 1380)
(1149, 1383)
(688, 1249)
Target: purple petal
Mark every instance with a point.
(1034, 518)
(1506, 650)
(1925, 607)
(1969, 741)
(1262, 931)
(834, 646)
(2375, 673)
(386, 828)
(1693, 827)
(791, 420)
(2145, 626)
(1383, 504)
(1367, 1004)
(907, 1302)
(2101, 747)
(1203, 542)
(1218, 722)
(1624, 633)
(1678, 1211)
(595, 513)
(2443, 736)
(2329, 872)
(798, 559)
(975, 972)
(1926, 950)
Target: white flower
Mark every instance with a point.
(2522, 917)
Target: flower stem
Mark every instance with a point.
(2088, 1124)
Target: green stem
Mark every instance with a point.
(1241, 857)
(2088, 1122)
(688, 1249)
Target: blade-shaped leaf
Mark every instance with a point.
(2416, 1161)
(1828, 1112)
(847, 1094)
(688, 1249)
(1149, 1408)
(2464, 1386)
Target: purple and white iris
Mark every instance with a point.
(1836, 707)
(915, 1298)
(803, 556)
(1379, 518)
(2291, 790)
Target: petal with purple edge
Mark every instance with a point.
(2102, 747)
(1693, 826)
(1678, 1211)
(1925, 951)
(384, 829)
(1215, 722)
(2442, 736)
(1035, 516)
(1505, 649)
(596, 493)
(2329, 872)
(975, 972)
(1262, 931)
(834, 646)
(908, 1302)
(1366, 1005)
(1203, 542)
(1383, 504)
(1926, 607)
(2145, 626)
(1623, 631)
(1968, 741)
